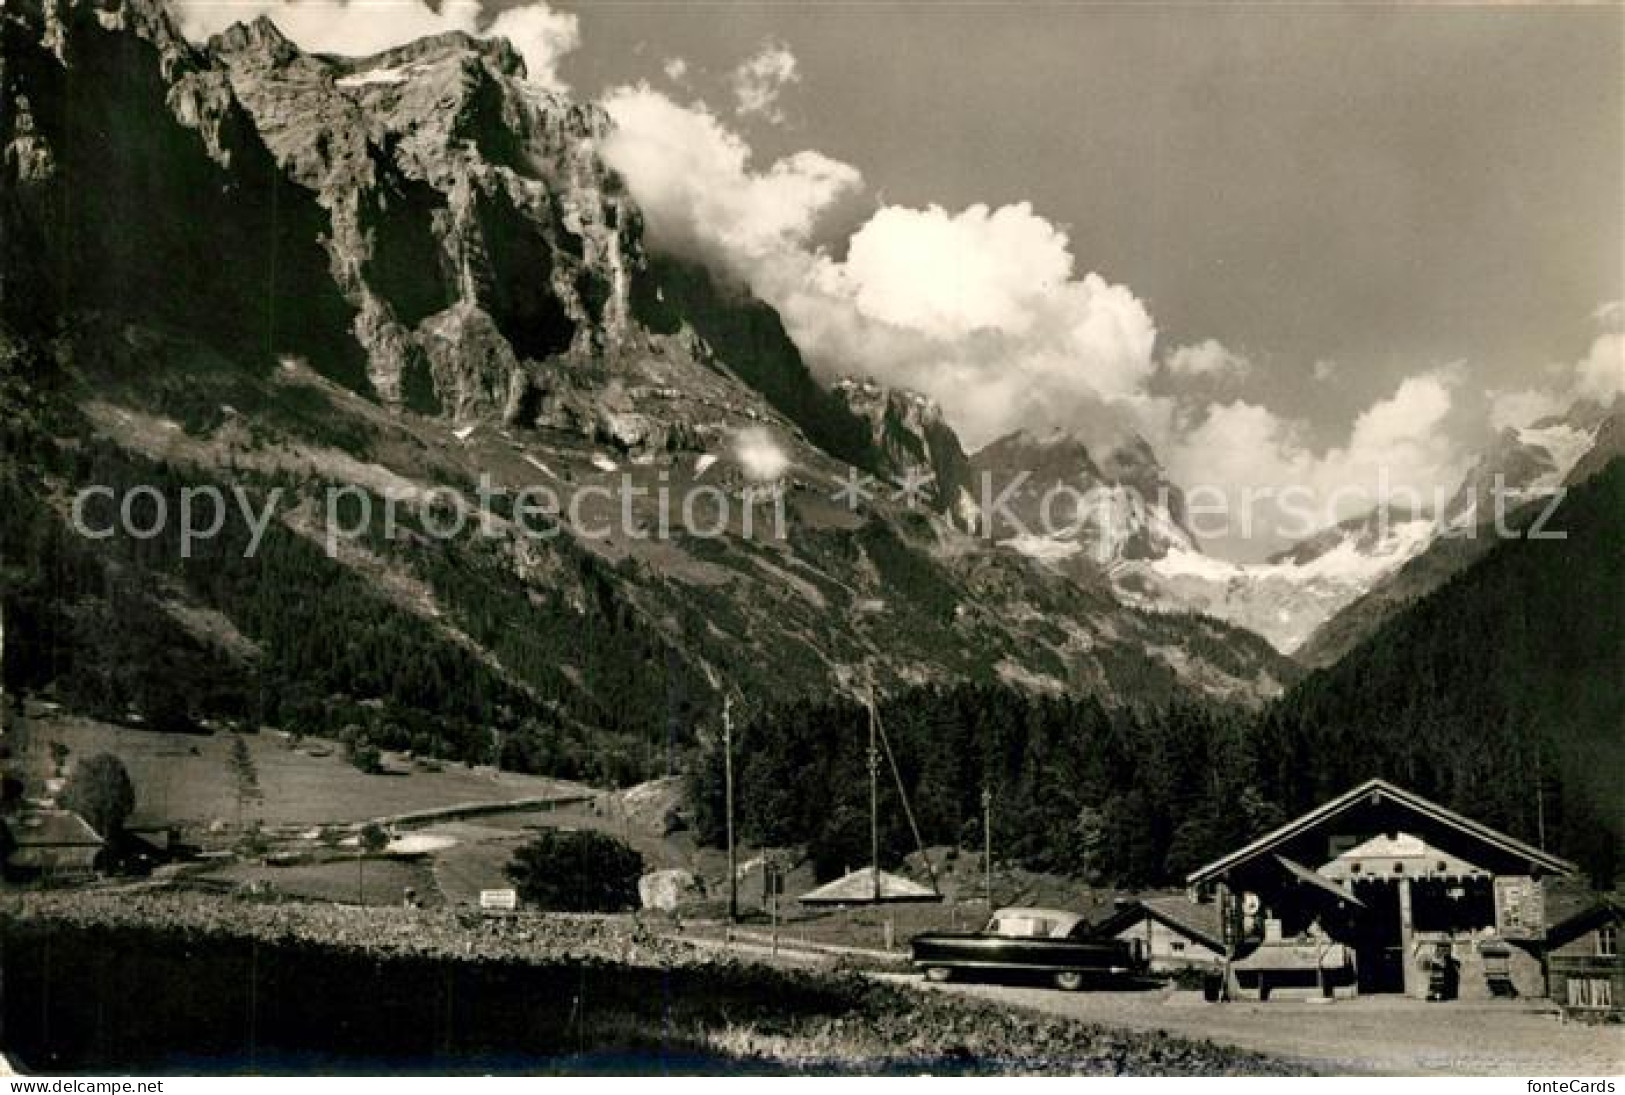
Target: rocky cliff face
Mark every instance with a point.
(1066, 501)
(915, 447)
(482, 243)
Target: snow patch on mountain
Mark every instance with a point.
(1563, 443)
(1046, 549)
(1285, 599)
(1289, 597)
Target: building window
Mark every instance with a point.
(1590, 992)
(1608, 941)
(1177, 946)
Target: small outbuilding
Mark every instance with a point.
(869, 886)
(1171, 932)
(51, 846)
(1584, 971)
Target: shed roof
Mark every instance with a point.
(1604, 908)
(52, 828)
(858, 888)
(1406, 800)
(1197, 921)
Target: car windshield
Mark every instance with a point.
(1025, 927)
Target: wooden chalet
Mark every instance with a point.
(51, 846)
(1381, 890)
(1584, 970)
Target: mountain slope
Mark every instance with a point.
(459, 300)
(1524, 468)
(1499, 693)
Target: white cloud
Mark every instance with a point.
(354, 28)
(676, 69)
(1520, 408)
(761, 79)
(985, 310)
(699, 193)
(1208, 359)
(1600, 375)
(1398, 450)
(981, 308)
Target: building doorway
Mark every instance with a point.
(1378, 940)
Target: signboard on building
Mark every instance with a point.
(1520, 910)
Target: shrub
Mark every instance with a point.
(99, 790)
(577, 872)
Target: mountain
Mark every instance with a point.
(1078, 506)
(1498, 693)
(407, 285)
(1523, 463)
(1288, 596)
(1320, 596)
(914, 445)
(1108, 514)
(1524, 468)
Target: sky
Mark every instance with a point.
(1301, 243)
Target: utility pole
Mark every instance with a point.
(874, 801)
(728, 795)
(987, 847)
(1540, 800)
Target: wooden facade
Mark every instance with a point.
(1584, 970)
(1381, 890)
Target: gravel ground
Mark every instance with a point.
(1371, 1035)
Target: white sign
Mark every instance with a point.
(505, 900)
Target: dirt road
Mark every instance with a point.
(1371, 1035)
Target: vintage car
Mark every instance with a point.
(1053, 943)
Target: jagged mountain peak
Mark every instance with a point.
(261, 34)
(911, 438)
(434, 48)
(1083, 504)
(1524, 462)
(1364, 532)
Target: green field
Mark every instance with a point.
(186, 779)
(344, 881)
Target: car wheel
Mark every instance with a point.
(1069, 980)
(938, 974)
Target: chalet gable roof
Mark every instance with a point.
(52, 828)
(1409, 800)
(1199, 922)
(1607, 907)
(858, 888)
